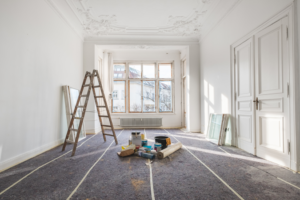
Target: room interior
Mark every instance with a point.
(217, 78)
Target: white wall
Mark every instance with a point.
(39, 53)
(215, 52)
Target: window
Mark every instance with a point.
(150, 88)
(165, 94)
(118, 97)
(165, 70)
(119, 71)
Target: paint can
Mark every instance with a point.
(158, 149)
(147, 155)
(143, 136)
(157, 145)
(144, 143)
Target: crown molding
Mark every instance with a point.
(61, 14)
(102, 25)
(231, 8)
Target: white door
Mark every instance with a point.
(244, 94)
(272, 80)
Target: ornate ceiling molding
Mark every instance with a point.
(107, 24)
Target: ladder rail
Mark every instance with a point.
(107, 110)
(98, 111)
(83, 114)
(75, 110)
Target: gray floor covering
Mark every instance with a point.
(179, 176)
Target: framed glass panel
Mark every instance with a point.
(135, 71)
(118, 97)
(165, 96)
(119, 71)
(148, 96)
(135, 93)
(148, 71)
(165, 70)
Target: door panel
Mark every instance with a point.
(244, 78)
(272, 72)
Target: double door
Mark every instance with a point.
(262, 94)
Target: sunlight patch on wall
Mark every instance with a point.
(211, 93)
(205, 89)
(224, 104)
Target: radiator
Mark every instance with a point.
(144, 122)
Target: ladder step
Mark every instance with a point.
(108, 134)
(74, 130)
(87, 85)
(84, 96)
(96, 86)
(78, 118)
(98, 96)
(106, 125)
(80, 106)
(101, 106)
(103, 115)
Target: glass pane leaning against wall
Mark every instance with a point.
(118, 97)
(165, 96)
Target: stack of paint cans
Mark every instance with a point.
(144, 143)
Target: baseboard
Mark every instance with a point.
(195, 131)
(6, 164)
(93, 131)
(294, 166)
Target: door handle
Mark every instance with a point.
(256, 101)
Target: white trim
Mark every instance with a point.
(55, 7)
(28, 154)
(289, 12)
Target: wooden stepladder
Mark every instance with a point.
(80, 115)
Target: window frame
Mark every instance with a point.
(156, 79)
(125, 100)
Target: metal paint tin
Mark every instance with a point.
(144, 142)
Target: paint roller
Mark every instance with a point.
(169, 150)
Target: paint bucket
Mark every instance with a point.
(144, 143)
(162, 141)
(143, 136)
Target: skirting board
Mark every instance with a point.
(6, 164)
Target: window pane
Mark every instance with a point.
(118, 97)
(119, 70)
(165, 71)
(148, 71)
(165, 96)
(135, 96)
(149, 96)
(135, 71)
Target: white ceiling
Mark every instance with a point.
(187, 18)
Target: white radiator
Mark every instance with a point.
(144, 122)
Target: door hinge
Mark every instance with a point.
(287, 33)
(235, 96)
(289, 147)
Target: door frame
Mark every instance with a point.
(294, 116)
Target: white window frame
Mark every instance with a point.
(156, 79)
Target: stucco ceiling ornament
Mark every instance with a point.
(103, 25)
(185, 26)
(107, 24)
